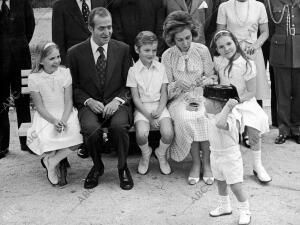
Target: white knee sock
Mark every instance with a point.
(161, 150)
(145, 149)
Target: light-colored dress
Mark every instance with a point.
(42, 136)
(243, 20)
(149, 83)
(189, 126)
(249, 113)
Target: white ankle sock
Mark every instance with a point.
(225, 200)
(244, 206)
(256, 159)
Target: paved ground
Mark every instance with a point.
(26, 197)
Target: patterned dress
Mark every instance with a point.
(189, 126)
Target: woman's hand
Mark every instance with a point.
(59, 126)
(183, 85)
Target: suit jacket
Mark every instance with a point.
(68, 26)
(201, 16)
(285, 46)
(86, 83)
(16, 33)
(133, 16)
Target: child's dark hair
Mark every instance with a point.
(144, 38)
(214, 52)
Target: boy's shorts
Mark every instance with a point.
(150, 107)
(227, 166)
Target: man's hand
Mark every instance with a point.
(110, 108)
(96, 106)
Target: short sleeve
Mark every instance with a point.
(251, 71)
(131, 81)
(32, 83)
(231, 121)
(221, 18)
(67, 78)
(263, 17)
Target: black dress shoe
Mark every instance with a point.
(297, 139)
(83, 153)
(91, 180)
(281, 138)
(126, 182)
(3, 152)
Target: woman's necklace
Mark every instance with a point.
(239, 20)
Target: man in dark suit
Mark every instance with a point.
(99, 68)
(69, 22)
(69, 27)
(133, 16)
(16, 30)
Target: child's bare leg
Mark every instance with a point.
(224, 207)
(142, 132)
(207, 173)
(255, 145)
(196, 166)
(245, 214)
(167, 134)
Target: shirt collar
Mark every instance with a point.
(140, 66)
(95, 47)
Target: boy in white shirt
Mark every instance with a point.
(226, 159)
(148, 82)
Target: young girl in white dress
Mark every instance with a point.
(226, 159)
(148, 81)
(233, 67)
(55, 129)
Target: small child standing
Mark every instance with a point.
(226, 159)
(148, 82)
(55, 129)
(233, 67)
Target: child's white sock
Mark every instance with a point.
(145, 148)
(161, 150)
(245, 214)
(224, 207)
(160, 153)
(258, 168)
(144, 161)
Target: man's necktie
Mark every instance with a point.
(85, 11)
(4, 9)
(101, 68)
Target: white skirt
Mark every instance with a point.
(250, 114)
(42, 136)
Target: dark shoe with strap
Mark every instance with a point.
(83, 153)
(91, 180)
(3, 152)
(126, 182)
(281, 138)
(63, 165)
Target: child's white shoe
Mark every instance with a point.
(221, 210)
(245, 217)
(262, 174)
(163, 163)
(144, 161)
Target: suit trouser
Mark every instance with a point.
(10, 83)
(118, 126)
(287, 83)
(266, 52)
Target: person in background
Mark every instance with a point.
(200, 10)
(133, 16)
(285, 60)
(70, 27)
(16, 29)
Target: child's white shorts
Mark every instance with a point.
(150, 107)
(227, 165)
